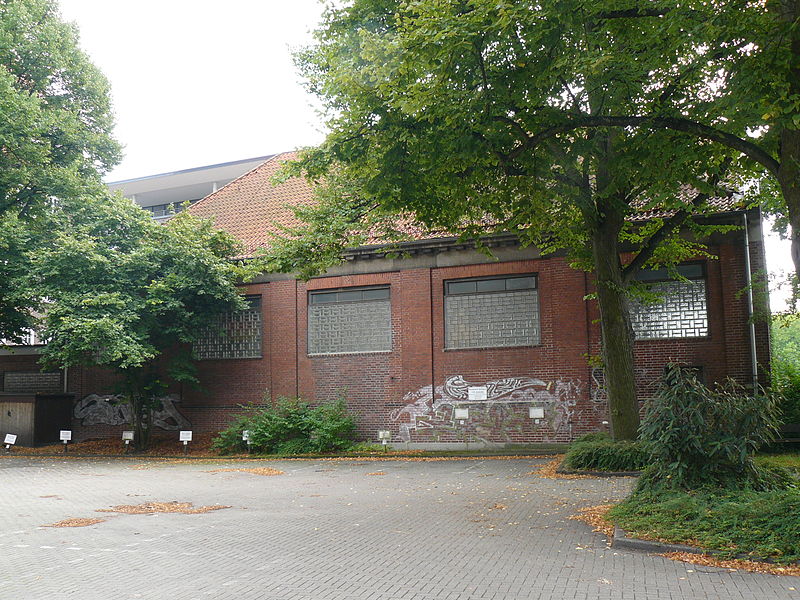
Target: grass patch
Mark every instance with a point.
(790, 461)
(759, 524)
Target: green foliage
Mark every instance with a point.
(597, 454)
(787, 461)
(786, 339)
(702, 437)
(786, 365)
(122, 291)
(786, 387)
(55, 139)
(55, 107)
(291, 426)
(763, 524)
(446, 113)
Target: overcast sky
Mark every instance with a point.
(196, 82)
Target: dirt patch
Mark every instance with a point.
(498, 506)
(265, 471)
(75, 523)
(548, 470)
(377, 473)
(734, 564)
(149, 508)
(596, 518)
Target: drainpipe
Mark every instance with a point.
(750, 310)
(66, 370)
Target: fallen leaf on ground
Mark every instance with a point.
(548, 470)
(76, 523)
(595, 517)
(148, 508)
(734, 564)
(266, 471)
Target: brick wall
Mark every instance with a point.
(413, 389)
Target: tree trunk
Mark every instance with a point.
(789, 170)
(617, 333)
(136, 394)
(789, 179)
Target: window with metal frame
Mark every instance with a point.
(492, 312)
(349, 320)
(233, 335)
(680, 309)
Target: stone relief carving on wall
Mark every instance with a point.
(109, 409)
(434, 410)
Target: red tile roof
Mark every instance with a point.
(251, 207)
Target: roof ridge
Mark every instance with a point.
(258, 166)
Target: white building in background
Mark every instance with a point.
(164, 194)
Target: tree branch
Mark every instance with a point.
(700, 130)
(669, 226)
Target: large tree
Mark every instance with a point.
(55, 134)
(432, 104)
(128, 294)
(735, 82)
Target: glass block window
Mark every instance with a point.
(681, 310)
(491, 313)
(233, 335)
(32, 382)
(349, 321)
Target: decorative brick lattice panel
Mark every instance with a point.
(681, 313)
(343, 327)
(234, 335)
(31, 382)
(492, 320)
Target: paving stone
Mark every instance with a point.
(326, 530)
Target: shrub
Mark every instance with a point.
(701, 437)
(290, 427)
(606, 455)
(786, 386)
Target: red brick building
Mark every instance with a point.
(444, 345)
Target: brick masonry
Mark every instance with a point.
(413, 388)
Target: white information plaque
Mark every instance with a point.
(536, 412)
(127, 435)
(65, 435)
(246, 435)
(477, 392)
(461, 414)
(11, 438)
(186, 436)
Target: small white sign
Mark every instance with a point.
(11, 438)
(536, 412)
(384, 434)
(186, 436)
(127, 436)
(65, 435)
(461, 414)
(477, 392)
(246, 435)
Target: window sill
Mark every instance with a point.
(328, 354)
(226, 358)
(539, 345)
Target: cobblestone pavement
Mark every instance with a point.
(450, 530)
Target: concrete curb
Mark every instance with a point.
(562, 471)
(621, 540)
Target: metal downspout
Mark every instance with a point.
(750, 309)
